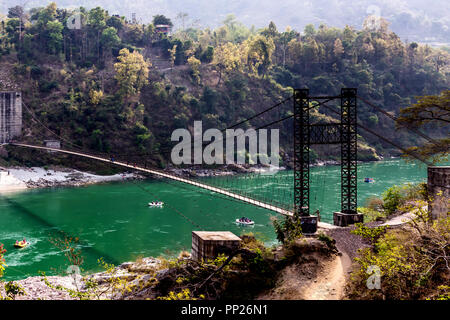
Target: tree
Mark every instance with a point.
(429, 110)
(115, 22)
(45, 15)
(109, 38)
(97, 18)
(95, 96)
(208, 55)
(310, 52)
(182, 16)
(232, 30)
(135, 35)
(12, 29)
(338, 48)
(271, 31)
(172, 53)
(194, 63)
(131, 72)
(19, 13)
(97, 21)
(149, 32)
(161, 19)
(55, 37)
(309, 30)
(260, 51)
(228, 57)
(295, 52)
(284, 40)
(16, 12)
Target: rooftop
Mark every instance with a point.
(217, 235)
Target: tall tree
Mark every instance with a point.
(55, 36)
(161, 19)
(338, 48)
(260, 51)
(109, 39)
(131, 72)
(228, 57)
(97, 21)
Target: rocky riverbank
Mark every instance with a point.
(152, 278)
(233, 169)
(20, 178)
(35, 177)
(35, 288)
(225, 170)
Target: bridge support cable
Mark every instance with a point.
(158, 173)
(408, 127)
(35, 118)
(412, 154)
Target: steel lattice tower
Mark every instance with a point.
(301, 152)
(343, 133)
(348, 151)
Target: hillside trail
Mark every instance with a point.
(330, 281)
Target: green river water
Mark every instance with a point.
(113, 220)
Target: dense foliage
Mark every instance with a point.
(109, 84)
(394, 200)
(412, 262)
(429, 111)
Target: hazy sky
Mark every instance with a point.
(408, 18)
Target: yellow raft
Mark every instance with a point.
(20, 244)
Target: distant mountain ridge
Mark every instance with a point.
(412, 20)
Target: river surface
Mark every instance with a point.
(113, 220)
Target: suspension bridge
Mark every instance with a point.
(305, 134)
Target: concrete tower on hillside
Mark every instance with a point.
(10, 115)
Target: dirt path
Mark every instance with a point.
(330, 282)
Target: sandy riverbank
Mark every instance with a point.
(16, 178)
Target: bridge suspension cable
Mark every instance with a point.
(168, 150)
(236, 192)
(384, 139)
(409, 127)
(35, 118)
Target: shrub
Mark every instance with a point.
(413, 261)
(374, 203)
(371, 215)
(391, 199)
(331, 243)
(208, 55)
(370, 234)
(288, 229)
(12, 290)
(47, 86)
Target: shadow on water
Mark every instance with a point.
(57, 231)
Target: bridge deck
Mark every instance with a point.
(168, 176)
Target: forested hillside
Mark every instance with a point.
(113, 85)
(413, 20)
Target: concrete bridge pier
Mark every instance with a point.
(438, 188)
(10, 115)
